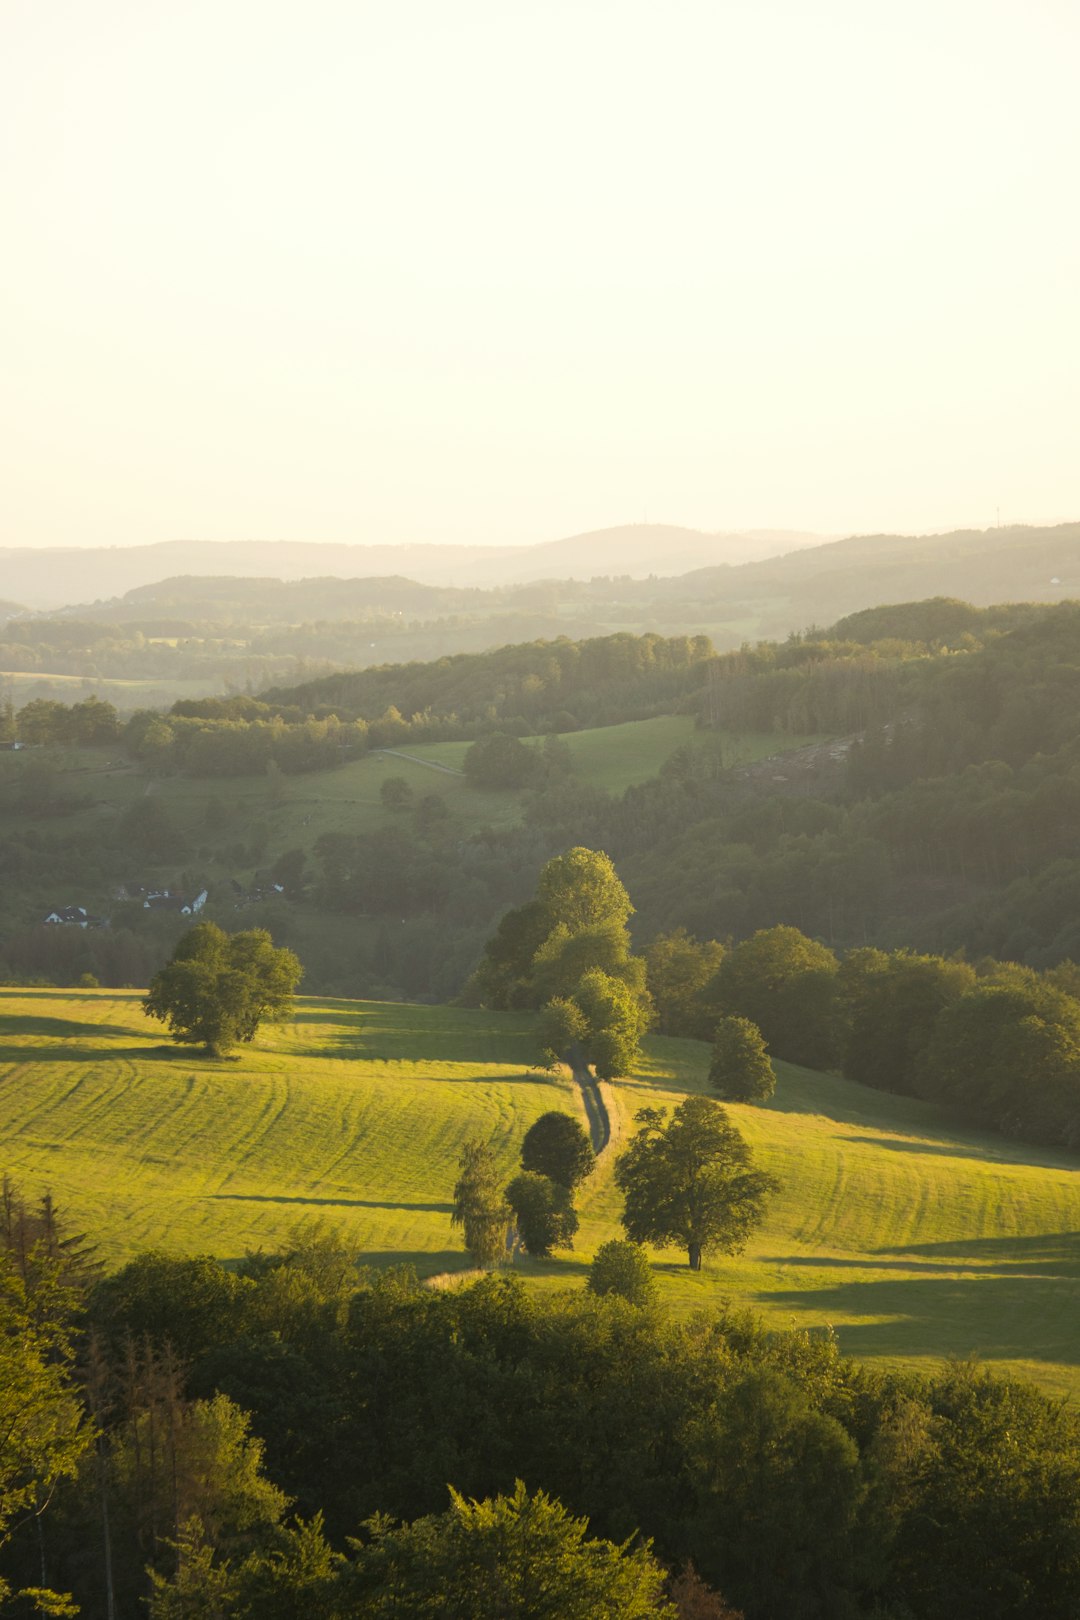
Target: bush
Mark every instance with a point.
(622, 1268)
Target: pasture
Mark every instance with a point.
(913, 1238)
(614, 758)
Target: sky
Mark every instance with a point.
(496, 271)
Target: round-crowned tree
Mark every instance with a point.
(691, 1181)
(741, 1069)
(219, 987)
(557, 1147)
(396, 793)
(621, 1267)
(501, 761)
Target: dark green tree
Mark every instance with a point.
(680, 972)
(1009, 1052)
(396, 793)
(501, 980)
(43, 1434)
(784, 983)
(502, 761)
(219, 987)
(544, 1213)
(691, 1181)
(892, 1004)
(622, 1268)
(741, 1069)
(289, 870)
(562, 1030)
(517, 1557)
(565, 957)
(556, 1146)
(780, 1490)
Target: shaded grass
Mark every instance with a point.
(614, 758)
(912, 1236)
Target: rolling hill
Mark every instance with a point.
(58, 576)
(912, 1238)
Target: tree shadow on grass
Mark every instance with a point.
(67, 993)
(946, 1147)
(949, 1268)
(58, 1029)
(996, 1316)
(101, 1055)
(331, 1203)
(1046, 1253)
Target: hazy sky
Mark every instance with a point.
(503, 271)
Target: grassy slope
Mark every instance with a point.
(616, 757)
(913, 1238)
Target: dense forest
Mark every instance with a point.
(277, 1440)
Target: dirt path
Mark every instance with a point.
(430, 764)
(597, 1115)
(595, 1107)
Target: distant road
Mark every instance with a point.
(396, 753)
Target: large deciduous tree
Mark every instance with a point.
(690, 1181)
(219, 987)
(784, 983)
(581, 889)
(555, 1145)
(1009, 1050)
(889, 1007)
(502, 761)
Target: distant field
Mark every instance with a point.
(913, 1238)
(617, 757)
(126, 695)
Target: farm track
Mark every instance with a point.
(595, 1109)
(429, 764)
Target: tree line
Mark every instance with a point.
(994, 1041)
(277, 1439)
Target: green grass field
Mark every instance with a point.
(614, 758)
(914, 1239)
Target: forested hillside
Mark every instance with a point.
(940, 814)
(191, 635)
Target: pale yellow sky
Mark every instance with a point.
(486, 270)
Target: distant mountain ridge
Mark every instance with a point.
(56, 577)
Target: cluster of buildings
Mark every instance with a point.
(264, 887)
(151, 899)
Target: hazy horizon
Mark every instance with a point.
(496, 275)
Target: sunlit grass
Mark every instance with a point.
(913, 1237)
